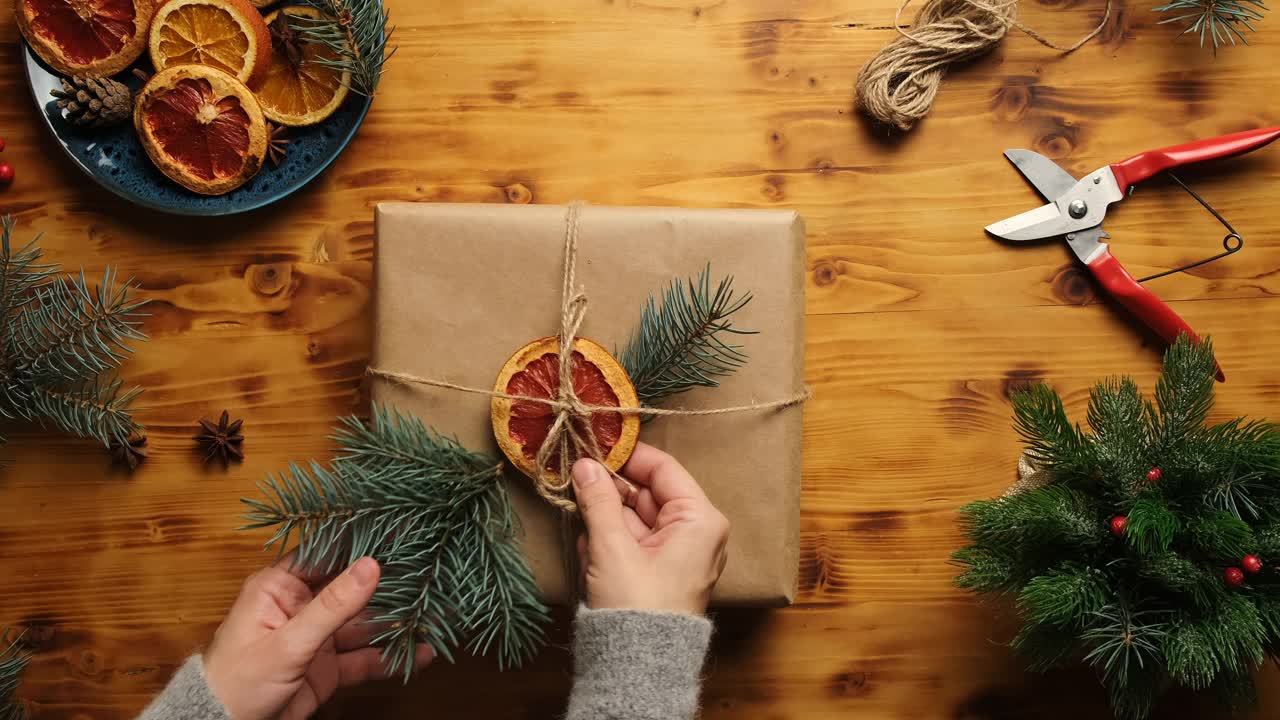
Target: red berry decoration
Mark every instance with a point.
(6, 175)
(1118, 524)
(1153, 475)
(1252, 564)
(1234, 576)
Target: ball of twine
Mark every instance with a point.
(898, 85)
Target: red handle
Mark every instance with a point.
(1145, 164)
(1141, 302)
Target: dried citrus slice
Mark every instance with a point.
(298, 88)
(201, 127)
(85, 37)
(520, 427)
(229, 35)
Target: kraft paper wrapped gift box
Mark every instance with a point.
(462, 287)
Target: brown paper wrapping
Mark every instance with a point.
(461, 287)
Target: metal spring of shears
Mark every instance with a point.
(1230, 244)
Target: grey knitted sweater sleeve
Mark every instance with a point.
(187, 697)
(628, 665)
(631, 665)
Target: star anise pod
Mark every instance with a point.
(130, 452)
(223, 440)
(277, 143)
(285, 40)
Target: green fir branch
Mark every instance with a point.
(683, 342)
(61, 338)
(438, 519)
(1152, 526)
(97, 408)
(1184, 392)
(1036, 524)
(1231, 638)
(1063, 595)
(1178, 574)
(21, 272)
(1135, 696)
(358, 34)
(1120, 423)
(1052, 442)
(13, 662)
(985, 571)
(1220, 536)
(71, 329)
(1123, 642)
(1043, 646)
(1217, 20)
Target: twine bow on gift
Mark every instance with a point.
(568, 437)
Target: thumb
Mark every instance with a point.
(598, 499)
(338, 603)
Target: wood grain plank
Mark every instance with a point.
(919, 325)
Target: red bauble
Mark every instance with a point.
(1153, 475)
(6, 175)
(1252, 564)
(1, 144)
(1234, 576)
(1118, 524)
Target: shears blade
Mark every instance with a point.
(1052, 182)
(1043, 222)
(1048, 178)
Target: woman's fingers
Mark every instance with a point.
(636, 524)
(366, 665)
(662, 474)
(357, 633)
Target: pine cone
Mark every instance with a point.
(94, 102)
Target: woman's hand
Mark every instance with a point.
(663, 549)
(283, 649)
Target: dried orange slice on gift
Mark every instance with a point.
(85, 37)
(202, 128)
(520, 427)
(229, 35)
(298, 88)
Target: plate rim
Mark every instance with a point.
(219, 211)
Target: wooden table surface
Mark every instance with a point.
(918, 324)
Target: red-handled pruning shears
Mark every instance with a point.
(1076, 210)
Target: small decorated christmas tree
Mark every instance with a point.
(1147, 549)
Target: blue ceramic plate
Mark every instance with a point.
(114, 157)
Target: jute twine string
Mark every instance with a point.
(567, 435)
(898, 85)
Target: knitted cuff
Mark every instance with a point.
(187, 697)
(633, 665)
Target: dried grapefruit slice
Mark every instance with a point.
(202, 128)
(229, 35)
(85, 37)
(598, 379)
(298, 88)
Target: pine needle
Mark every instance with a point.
(437, 518)
(62, 339)
(1217, 20)
(13, 661)
(683, 342)
(357, 32)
